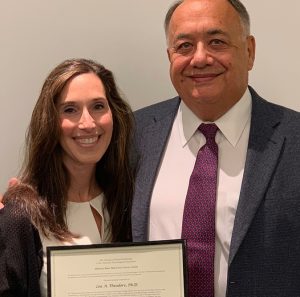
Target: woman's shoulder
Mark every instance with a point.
(18, 205)
(14, 219)
(17, 232)
(20, 250)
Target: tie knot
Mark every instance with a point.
(208, 130)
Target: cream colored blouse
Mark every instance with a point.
(80, 220)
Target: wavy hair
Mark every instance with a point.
(44, 180)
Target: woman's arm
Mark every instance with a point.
(20, 254)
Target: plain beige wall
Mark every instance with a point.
(126, 36)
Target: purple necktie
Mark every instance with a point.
(198, 226)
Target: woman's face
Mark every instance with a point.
(85, 119)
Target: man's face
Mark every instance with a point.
(210, 56)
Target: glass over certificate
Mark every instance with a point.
(149, 269)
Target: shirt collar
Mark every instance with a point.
(231, 124)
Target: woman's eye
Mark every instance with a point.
(69, 109)
(99, 106)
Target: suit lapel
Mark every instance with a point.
(265, 145)
(151, 143)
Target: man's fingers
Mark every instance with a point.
(1, 205)
(13, 182)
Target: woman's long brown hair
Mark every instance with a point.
(44, 180)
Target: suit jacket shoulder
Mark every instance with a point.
(264, 111)
(156, 112)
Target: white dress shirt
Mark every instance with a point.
(168, 198)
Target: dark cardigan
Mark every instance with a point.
(21, 254)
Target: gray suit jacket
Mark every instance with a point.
(264, 255)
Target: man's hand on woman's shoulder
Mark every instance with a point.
(12, 182)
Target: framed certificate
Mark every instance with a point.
(154, 269)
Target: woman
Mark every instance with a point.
(76, 184)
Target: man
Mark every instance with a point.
(257, 203)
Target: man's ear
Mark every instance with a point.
(169, 55)
(251, 51)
